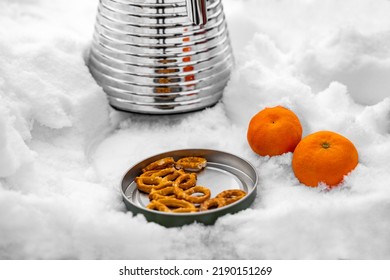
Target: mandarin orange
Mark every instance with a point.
(324, 156)
(274, 131)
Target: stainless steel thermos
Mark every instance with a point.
(161, 56)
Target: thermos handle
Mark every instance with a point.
(197, 11)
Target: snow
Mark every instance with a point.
(63, 150)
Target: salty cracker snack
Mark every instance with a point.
(212, 203)
(231, 196)
(184, 181)
(162, 173)
(161, 193)
(172, 205)
(156, 179)
(222, 199)
(192, 164)
(160, 164)
(174, 189)
(188, 194)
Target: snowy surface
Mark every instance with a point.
(63, 150)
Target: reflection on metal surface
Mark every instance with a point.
(197, 11)
(161, 56)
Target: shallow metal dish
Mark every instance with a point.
(224, 171)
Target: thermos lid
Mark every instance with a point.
(223, 171)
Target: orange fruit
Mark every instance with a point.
(274, 131)
(324, 156)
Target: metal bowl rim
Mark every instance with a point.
(194, 214)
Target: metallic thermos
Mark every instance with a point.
(161, 56)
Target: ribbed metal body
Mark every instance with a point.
(150, 58)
